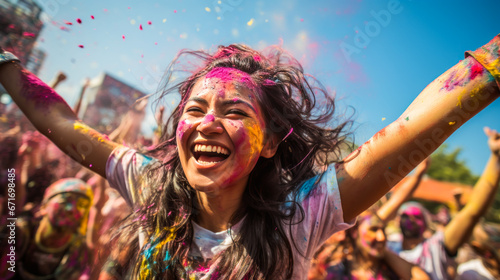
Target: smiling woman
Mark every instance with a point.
(247, 180)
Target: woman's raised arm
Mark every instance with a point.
(442, 107)
(52, 116)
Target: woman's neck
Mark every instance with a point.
(216, 211)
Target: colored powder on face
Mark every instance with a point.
(181, 128)
(227, 74)
(41, 94)
(208, 119)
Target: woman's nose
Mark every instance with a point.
(209, 124)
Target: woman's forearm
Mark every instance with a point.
(441, 108)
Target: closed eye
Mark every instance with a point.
(194, 109)
(237, 112)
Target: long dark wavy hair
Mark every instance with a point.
(298, 111)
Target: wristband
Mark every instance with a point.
(489, 57)
(6, 57)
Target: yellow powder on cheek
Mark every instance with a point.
(255, 135)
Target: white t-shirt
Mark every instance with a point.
(430, 255)
(473, 270)
(319, 197)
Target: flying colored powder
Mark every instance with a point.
(207, 9)
(92, 17)
(79, 21)
(28, 34)
(140, 26)
(68, 23)
(123, 37)
(149, 22)
(80, 46)
(175, 11)
(250, 22)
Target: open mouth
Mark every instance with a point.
(208, 154)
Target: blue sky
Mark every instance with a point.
(403, 46)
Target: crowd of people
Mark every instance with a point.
(244, 180)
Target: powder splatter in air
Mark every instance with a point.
(149, 22)
(79, 21)
(250, 22)
(92, 17)
(80, 46)
(140, 26)
(123, 37)
(207, 9)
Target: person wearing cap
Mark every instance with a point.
(436, 254)
(53, 247)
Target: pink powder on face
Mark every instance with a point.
(41, 94)
(227, 74)
(181, 128)
(208, 119)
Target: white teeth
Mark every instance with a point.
(211, 148)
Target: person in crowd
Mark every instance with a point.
(53, 247)
(485, 263)
(436, 254)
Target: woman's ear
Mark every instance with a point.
(270, 147)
